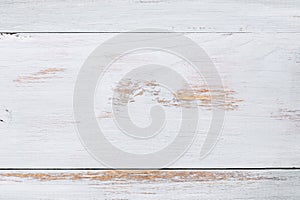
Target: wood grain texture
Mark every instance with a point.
(119, 16)
(253, 44)
(149, 185)
(38, 73)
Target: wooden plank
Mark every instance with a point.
(117, 15)
(38, 74)
(149, 184)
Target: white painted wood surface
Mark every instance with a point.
(38, 73)
(149, 185)
(188, 15)
(255, 46)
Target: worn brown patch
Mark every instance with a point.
(105, 115)
(210, 97)
(40, 76)
(143, 175)
(207, 98)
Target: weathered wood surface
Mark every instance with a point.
(254, 45)
(189, 15)
(260, 70)
(149, 185)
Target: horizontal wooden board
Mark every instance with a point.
(260, 72)
(149, 184)
(118, 15)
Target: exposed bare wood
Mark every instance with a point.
(150, 184)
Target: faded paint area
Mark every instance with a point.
(40, 76)
(144, 175)
(288, 114)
